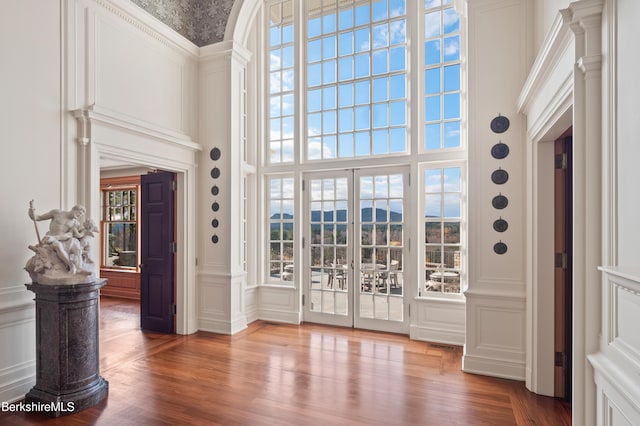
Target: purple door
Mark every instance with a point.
(157, 310)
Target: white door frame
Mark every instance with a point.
(353, 260)
(102, 135)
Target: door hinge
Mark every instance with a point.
(302, 242)
(561, 260)
(174, 309)
(558, 359)
(303, 186)
(303, 300)
(174, 247)
(561, 161)
(174, 185)
(409, 311)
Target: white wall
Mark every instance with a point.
(137, 83)
(545, 12)
(30, 120)
(628, 139)
(500, 53)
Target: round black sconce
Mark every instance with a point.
(215, 223)
(500, 225)
(499, 202)
(500, 248)
(215, 173)
(215, 154)
(215, 190)
(499, 124)
(215, 206)
(500, 150)
(499, 176)
(215, 239)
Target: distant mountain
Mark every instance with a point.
(341, 216)
(366, 215)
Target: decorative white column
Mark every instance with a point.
(221, 278)
(585, 20)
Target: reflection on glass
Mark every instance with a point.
(122, 240)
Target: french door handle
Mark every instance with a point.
(352, 265)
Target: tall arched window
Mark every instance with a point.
(364, 111)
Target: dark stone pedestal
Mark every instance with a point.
(67, 349)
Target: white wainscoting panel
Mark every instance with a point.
(18, 348)
(617, 364)
(221, 303)
(279, 304)
(438, 320)
(496, 343)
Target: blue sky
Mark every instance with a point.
(357, 86)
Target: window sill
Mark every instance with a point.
(125, 270)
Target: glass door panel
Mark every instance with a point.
(327, 277)
(355, 261)
(380, 304)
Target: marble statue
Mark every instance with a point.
(63, 255)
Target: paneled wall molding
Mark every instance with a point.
(279, 303)
(438, 320)
(617, 363)
(97, 114)
(485, 293)
(211, 275)
(17, 324)
(12, 299)
(16, 380)
(220, 303)
(138, 18)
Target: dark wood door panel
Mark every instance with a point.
(157, 277)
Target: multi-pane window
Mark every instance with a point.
(120, 229)
(281, 83)
(442, 229)
(281, 220)
(341, 92)
(356, 69)
(441, 76)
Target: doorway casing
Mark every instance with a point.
(101, 135)
(564, 89)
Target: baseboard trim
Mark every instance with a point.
(494, 367)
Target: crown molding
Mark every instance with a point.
(145, 22)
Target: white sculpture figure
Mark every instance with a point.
(62, 255)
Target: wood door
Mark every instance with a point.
(157, 278)
(563, 263)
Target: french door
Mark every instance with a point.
(354, 250)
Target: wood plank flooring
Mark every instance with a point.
(276, 374)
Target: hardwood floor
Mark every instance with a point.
(277, 374)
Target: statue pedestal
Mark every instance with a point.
(67, 348)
